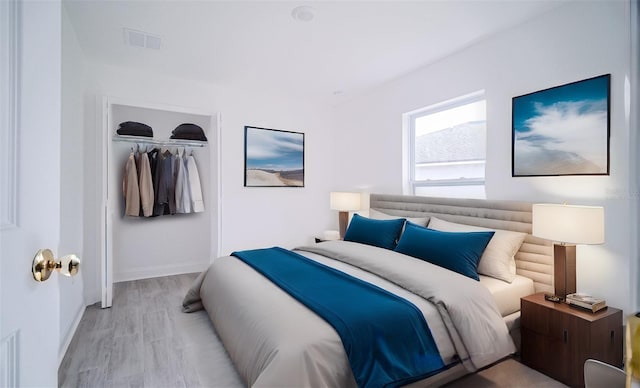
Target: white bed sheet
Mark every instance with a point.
(507, 295)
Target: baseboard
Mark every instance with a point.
(157, 271)
(70, 334)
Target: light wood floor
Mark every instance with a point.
(145, 340)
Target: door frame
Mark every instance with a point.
(108, 206)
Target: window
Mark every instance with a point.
(446, 148)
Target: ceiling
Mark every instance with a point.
(348, 48)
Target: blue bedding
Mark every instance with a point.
(386, 338)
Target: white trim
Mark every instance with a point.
(633, 122)
(157, 271)
(9, 107)
(10, 366)
(217, 222)
(106, 283)
(70, 334)
(407, 154)
(448, 104)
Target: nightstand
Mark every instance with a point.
(557, 339)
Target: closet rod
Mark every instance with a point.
(162, 143)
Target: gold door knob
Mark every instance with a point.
(44, 263)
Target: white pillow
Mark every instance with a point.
(498, 257)
(376, 215)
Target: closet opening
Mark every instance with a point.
(139, 242)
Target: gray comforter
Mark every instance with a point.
(273, 340)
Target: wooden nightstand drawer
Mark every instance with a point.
(544, 321)
(545, 354)
(557, 339)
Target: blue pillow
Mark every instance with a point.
(456, 251)
(379, 233)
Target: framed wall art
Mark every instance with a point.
(273, 158)
(562, 130)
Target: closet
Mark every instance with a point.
(144, 247)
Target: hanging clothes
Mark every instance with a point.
(153, 156)
(145, 185)
(197, 203)
(165, 202)
(130, 188)
(183, 195)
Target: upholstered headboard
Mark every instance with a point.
(535, 257)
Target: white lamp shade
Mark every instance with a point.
(344, 201)
(569, 223)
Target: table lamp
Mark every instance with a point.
(344, 203)
(567, 225)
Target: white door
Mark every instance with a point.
(30, 194)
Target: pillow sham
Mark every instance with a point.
(459, 252)
(497, 260)
(377, 215)
(379, 233)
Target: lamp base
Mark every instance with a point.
(343, 219)
(564, 270)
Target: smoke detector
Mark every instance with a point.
(141, 39)
(303, 13)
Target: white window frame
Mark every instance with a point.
(409, 182)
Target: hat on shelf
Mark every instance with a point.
(133, 128)
(188, 131)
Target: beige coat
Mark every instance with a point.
(130, 188)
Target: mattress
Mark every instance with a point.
(507, 295)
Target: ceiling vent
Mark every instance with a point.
(141, 39)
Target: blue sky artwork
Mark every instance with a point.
(274, 150)
(562, 130)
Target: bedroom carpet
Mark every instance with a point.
(145, 340)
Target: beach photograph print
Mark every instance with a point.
(273, 158)
(562, 130)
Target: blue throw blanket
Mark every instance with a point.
(386, 338)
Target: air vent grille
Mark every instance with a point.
(141, 39)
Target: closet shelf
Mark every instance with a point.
(159, 142)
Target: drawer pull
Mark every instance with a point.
(565, 335)
(612, 336)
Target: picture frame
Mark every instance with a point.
(563, 130)
(273, 158)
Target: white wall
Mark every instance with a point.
(250, 217)
(71, 179)
(255, 217)
(577, 41)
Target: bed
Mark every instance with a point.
(274, 340)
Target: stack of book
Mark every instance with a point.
(585, 301)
